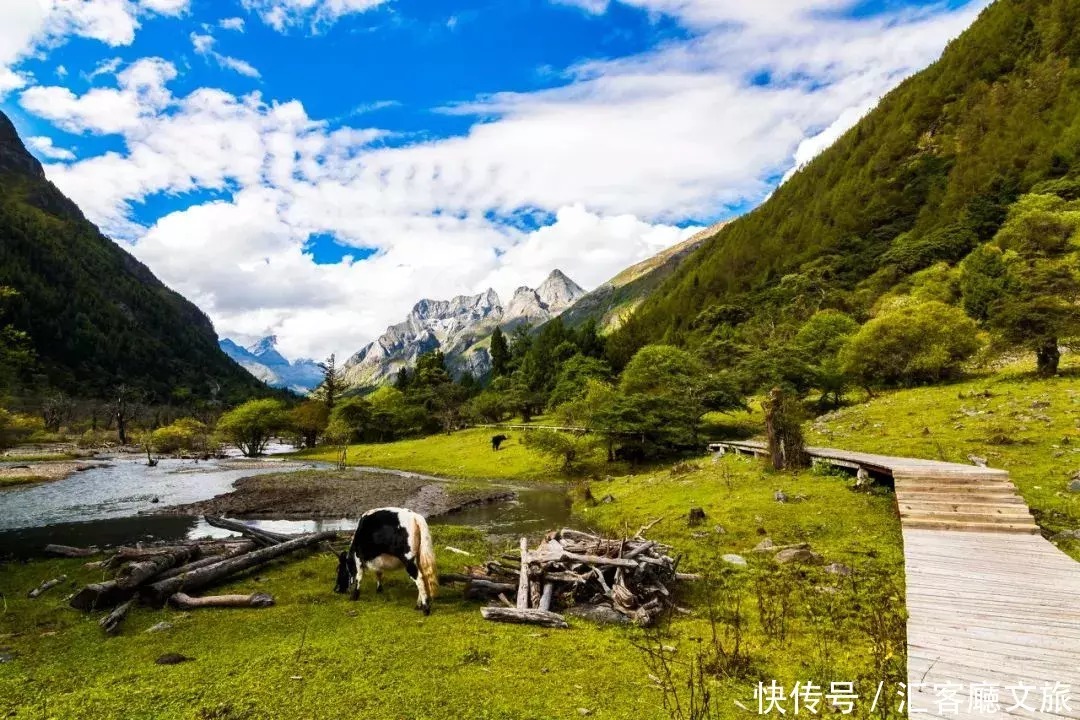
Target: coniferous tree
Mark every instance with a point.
(333, 382)
(500, 354)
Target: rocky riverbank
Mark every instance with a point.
(337, 494)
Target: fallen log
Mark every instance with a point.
(160, 591)
(99, 596)
(524, 616)
(47, 585)
(186, 602)
(111, 622)
(240, 549)
(71, 552)
(263, 537)
(137, 573)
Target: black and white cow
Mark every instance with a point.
(386, 539)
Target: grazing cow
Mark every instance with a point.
(497, 440)
(386, 539)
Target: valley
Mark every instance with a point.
(824, 413)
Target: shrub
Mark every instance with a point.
(252, 425)
(913, 343)
(186, 434)
(16, 429)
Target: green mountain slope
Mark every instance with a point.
(614, 301)
(96, 317)
(925, 178)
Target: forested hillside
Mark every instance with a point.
(957, 192)
(93, 317)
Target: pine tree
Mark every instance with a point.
(333, 383)
(500, 354)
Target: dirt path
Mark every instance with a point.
(337, 494)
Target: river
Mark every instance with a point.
(113, 504)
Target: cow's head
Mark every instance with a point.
(346, 573)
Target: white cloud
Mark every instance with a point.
(45, 147)
(618, 155)
(233, 23)
(31, 24)
(140, 94)
(284, 14)
(204, 45)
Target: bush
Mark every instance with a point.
(186, 434)
(913, 343)
(16, 429)
(567, 448)
(252, 425)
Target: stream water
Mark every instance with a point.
(111, 505)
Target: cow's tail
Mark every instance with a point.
(428, 570)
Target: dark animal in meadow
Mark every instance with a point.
(386, 539)
(497, 440)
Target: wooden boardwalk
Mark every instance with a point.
(993, 607)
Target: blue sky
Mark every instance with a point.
(311, 168)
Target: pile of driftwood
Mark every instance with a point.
(157, 575)
(633, 577)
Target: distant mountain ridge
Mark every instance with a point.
(97, 318)
(263, 360)
(611, 304)
(459, 328)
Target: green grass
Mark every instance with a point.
(15, 480)
(463, 454)
(1017, 421)
(316, 655)
(39, 457)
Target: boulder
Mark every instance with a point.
(800, 555)
(838, 569)
(733, 559)
(765, 546)
(780, 496)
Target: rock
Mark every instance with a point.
(800, 555)
(838, 569)
(696, 516)
(1074, 485)
(733, 559)
(926, 431)
(6, 655)
(765, 546)
(455, 326)
(780, 496)
(607, 499)
(160, 627)
(155, 499)
(1068, 535)
(172, 659)
(976, 460)
(601, 614)
(584, 711)
(719, 530)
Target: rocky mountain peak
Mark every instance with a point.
(460, 328)
(559, 292)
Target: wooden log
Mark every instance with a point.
(263, 537)
(186, 602)
(160, 591)
(137, 573)
(239, 549)
(523, 577)
(47, 585)
(524, 616)
(546, 597)
(592, 560)
(71, 552)
(99, 596)
(111, 622)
